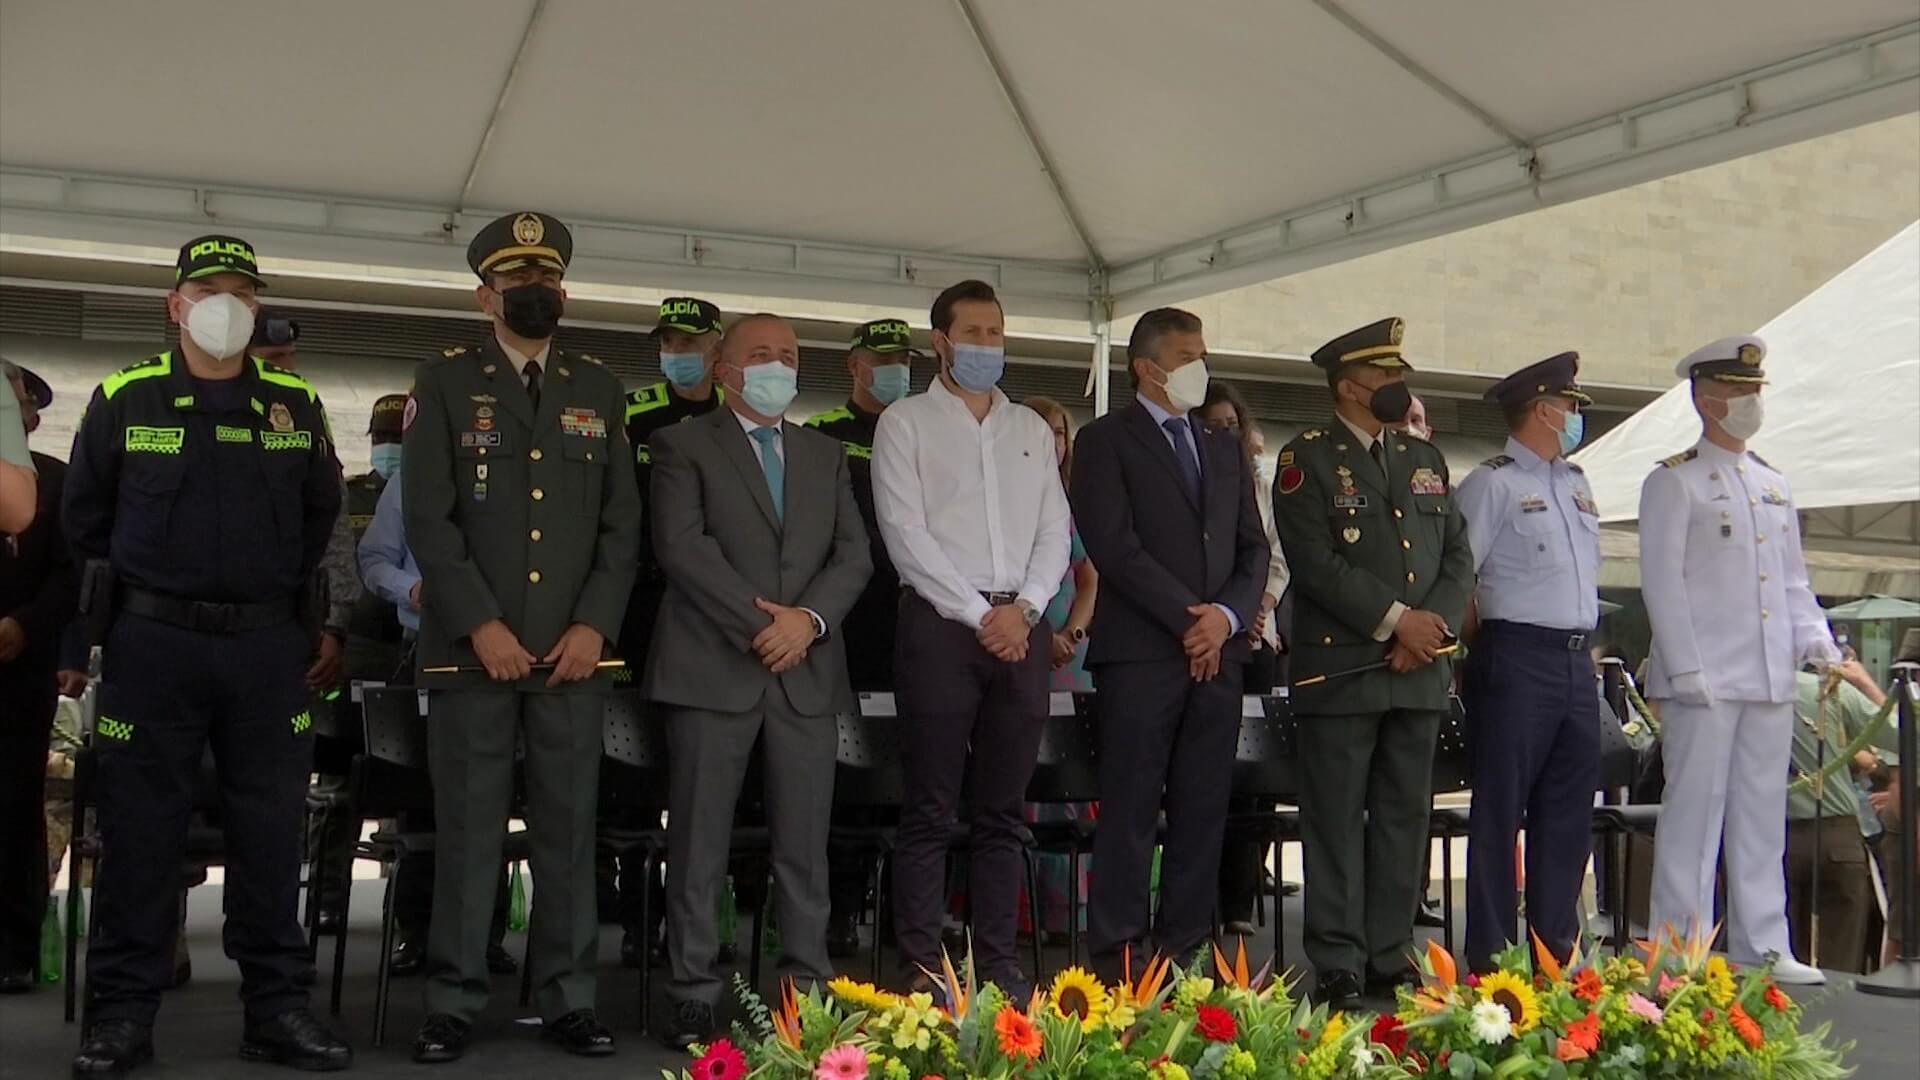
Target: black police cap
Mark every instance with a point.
(689, 315)
(1556, 376)
(883, 336)
(216, 253)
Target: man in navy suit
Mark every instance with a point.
(1166, 510)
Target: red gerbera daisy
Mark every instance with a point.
(1585, 1032)
(1389, 1032)
(722, 1061)
(1215, 1024)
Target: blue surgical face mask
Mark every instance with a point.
(890, 382)
(769, 388)
(1570, 435)
(385, 459)
(684, 370)
(978, 368)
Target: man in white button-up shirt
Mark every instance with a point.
(1733, 619)
(975, 520)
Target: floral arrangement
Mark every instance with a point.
(1677, 1013)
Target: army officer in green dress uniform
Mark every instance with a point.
(522, 512)
(1381, 569)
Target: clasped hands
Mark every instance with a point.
(783, 643)
(1417, 639)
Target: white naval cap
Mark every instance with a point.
(1731, 359)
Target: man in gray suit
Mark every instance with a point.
(764, 553)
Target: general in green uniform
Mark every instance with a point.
(1381, 568)
(523, 515)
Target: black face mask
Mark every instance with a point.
(1390, 403)
(531, 310)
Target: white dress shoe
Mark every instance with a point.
(1792, 972)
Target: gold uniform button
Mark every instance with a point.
(538, 494)
(1760, 539)
(1763, 613)
(1409, 576)
(1753, 502)
(1328, 640)
(534, 536)
(533, 576)
(1740, 468)
(1406, 545)
(1397, 513)
(534, 454)
(1763, 577)
(589, 455)
(483, 451)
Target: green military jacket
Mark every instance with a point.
(527, 516)
(1356, 542)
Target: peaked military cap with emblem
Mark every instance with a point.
(689, 315)
(518, 240)
(1731, 359)
(206, 256)
(883, 336)
(1553, 377)
(1376, 344)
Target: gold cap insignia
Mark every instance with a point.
(528, 229)
(1750, 355)
(1396, 332)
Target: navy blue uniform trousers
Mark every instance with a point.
(167, 694)
(1533, 723)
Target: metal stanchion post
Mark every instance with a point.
(1902, 977)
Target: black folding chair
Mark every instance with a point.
(1265, 771)
(1615, 821)
(1452, 772)
(390, 780)
(868, 775)
(1067, 771)
(633, 796)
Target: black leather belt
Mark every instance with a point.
(204, 616)
(999, 599)
(1570, 640)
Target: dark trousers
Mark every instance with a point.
(1366, 786)
(413, 890)
(1846, 891)
(470, 740)
(1533, 723)
(1164, 740)
(954, 696)
(166, 695)
(27, 699)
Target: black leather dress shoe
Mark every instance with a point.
(632, 955)
(580, 1032)
(17, 981)
(1385, 984)
(692, 1023)
(113, 1047)
(1338, 990)
(501, 962)
(407, 958)
(297, 1039)
(442, 1039)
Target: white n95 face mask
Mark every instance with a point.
(1187, 385)
(1743, 418)
(221, 324)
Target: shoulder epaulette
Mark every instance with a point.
(151, 367)
(646, 399)
(1758, 458)
(452, 351)
(1498, 461)
(594, 360)
(1312, 433)
(280, 376)
(1684, 455)
(828, 417)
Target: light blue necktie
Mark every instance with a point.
(774, 468)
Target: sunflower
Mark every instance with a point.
(861, 995)
(1510, 990)
(1079, 996)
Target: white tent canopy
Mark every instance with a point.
(1843, 395)
(1087, 156)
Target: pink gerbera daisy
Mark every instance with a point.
(843, 1062)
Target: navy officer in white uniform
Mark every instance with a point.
(1528, 684)
(1733, 619)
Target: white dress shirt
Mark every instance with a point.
(1277, 572)
(1724, 579)
(970, 506)
(749, 425)
(519, 360)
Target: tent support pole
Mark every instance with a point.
(500, 103)
(1102, 355)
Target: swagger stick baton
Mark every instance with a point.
(1311, 680)
(468, 669)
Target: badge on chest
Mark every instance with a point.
(1533, 504)
(585, 423)
(1584, 503)
(1426, 481)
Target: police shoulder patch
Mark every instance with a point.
(151, 367)
(828, 417)
(1498, 461)
(1683, 456)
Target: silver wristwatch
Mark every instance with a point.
(1028, 612)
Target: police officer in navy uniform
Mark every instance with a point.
(687, 333)
(1529, 689)
(1381, 569)
(207, 479)
(880, 363)
(521, 511)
